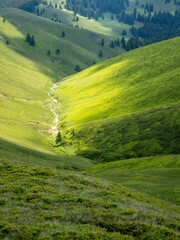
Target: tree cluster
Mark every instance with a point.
(30, 5)
(161, 26)
(30, 39)
(132, 43)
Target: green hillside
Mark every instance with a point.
(78, 47)
(27, 73)
(125, 107)
(102, 26)
(49, 203)
(157, 176)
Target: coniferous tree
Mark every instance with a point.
(32, 42)
(28, 38)
(77, 68)
(100, 54)
(58, 51)
(112, 45)
(63, 34)
(49, 52)
(124, 33)
(123, 42)
(58, 138)
(102, 42)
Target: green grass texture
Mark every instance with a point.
(125, 107)
(50, 203)
(157, 176)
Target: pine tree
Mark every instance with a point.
(123, 43)
(58, 51)
(77, 68)
(100, 54)
(58, 138)
(49, 52)
(28, 38)
(112, 45)
(63, 34)
(102, 42)
(124, 33)
(32, 42)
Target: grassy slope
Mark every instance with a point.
(26, 73)
(24, 83)
(23, 92)
(127, 106)
(157, 176)
(48, 203)
(108, 27)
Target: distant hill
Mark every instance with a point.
(125, 107)
(78, 47)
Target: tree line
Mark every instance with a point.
(160, 26)
(95, 8)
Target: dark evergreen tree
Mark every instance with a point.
(32, 42)
(124, 33)
(63, 34)
(102, 42)
(58, 138)
(100, 54)
(49, 52)
(58, 51)
(123, 42)
(28, 38)
(77, 68)
(112, 44)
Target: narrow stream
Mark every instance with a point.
(53, 109)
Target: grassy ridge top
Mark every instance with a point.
(47, 203)
(142, 79)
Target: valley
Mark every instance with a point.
(89, 129)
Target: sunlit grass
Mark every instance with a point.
(124, 107)
(143, 79)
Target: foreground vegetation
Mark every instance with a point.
(50, 203)
(125, 107)
(157, 176)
